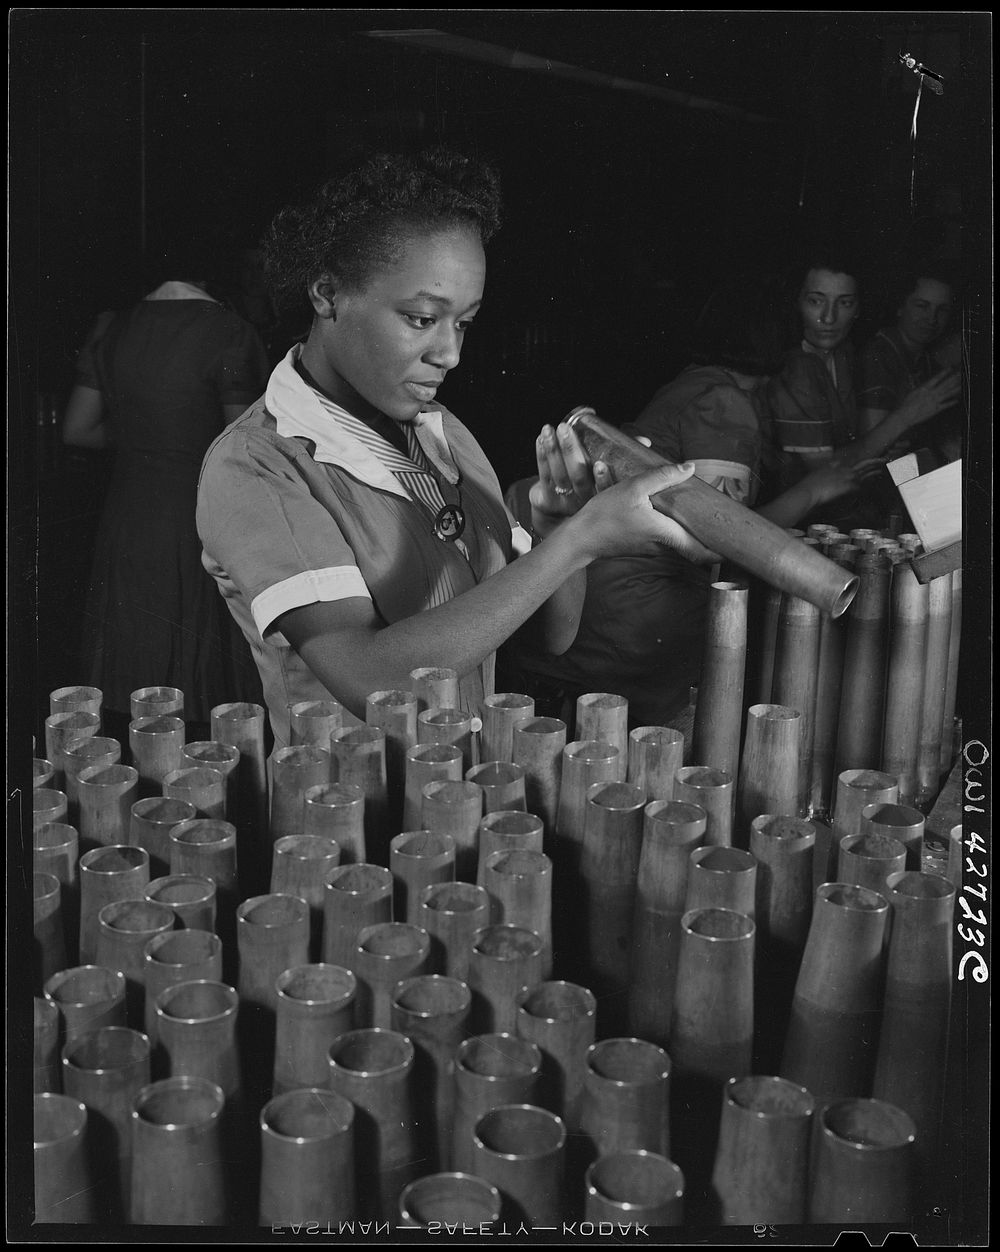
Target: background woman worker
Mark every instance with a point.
(157, 382)
(814, 399)
(910, 349)
(642, 631)
(356, 527)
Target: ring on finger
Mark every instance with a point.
(563, 491)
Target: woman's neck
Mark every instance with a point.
(360, 409)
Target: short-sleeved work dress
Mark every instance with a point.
(294, 508)
(165, 368)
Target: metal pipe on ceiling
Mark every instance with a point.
(508, 58)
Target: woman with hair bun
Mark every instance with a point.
(354, 525)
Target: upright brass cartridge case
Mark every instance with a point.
(384, 955)
(502, 784)
(603, 716)
(178, 1174)
(655, 754)
(373, 1069)
(357, 896)
(832, 1039)
(503, 960)
(314, 721)
(520, 1149)
(196, 1028)
(761, 1170)
(64, 1186)
(218, 756)
(156, 702)
(201, 786)
(537, 745)
(337, 811)
(155, 744)
(452, 726)
(609, 868)
(106, 794)
(796, 676)
(455, 809)
(626, 1097)
(106, 875)
(500, 714)
(434, 687)
(432, 1011)
(453, 1198)
(560, 1018)
(505, 830)
(300, 866)
(904, 692)
(719, 709)
(490, 1070)
(294, 770)
(307, 1158)
(912, 1064)
(769, 769)
(426, 763)
(315, 1005)
(866, 660)
(150, 825)
(862, 1166)
(418, 858)
(671, 831)
(395, 714)
(174, 957)
(640, 1188)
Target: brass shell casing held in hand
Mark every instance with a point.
(722, 525)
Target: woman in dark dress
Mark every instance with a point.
(156, 383)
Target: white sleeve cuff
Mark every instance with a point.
(520, 540)
(340, 582)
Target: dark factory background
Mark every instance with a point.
(642, 154)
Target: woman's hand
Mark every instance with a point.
(932, 397)
(566, 479)
(621, 521)
(839, 477)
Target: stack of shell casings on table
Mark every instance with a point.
(875, 688)
(481, 966)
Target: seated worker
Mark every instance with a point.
(814, 398)
(908, 353)
(641, 633)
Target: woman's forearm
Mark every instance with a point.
(84, 424)
(353, 652)
(880, 437)
(924, 402)
(792, 505)
(352, 660)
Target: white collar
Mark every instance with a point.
(179, 291)
(827, 356)
(300, 410)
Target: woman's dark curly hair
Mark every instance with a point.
(357, 223)
(906, 279)
(741, 325)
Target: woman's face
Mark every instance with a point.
(390, 345)
(828, 305)
(924, 315)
